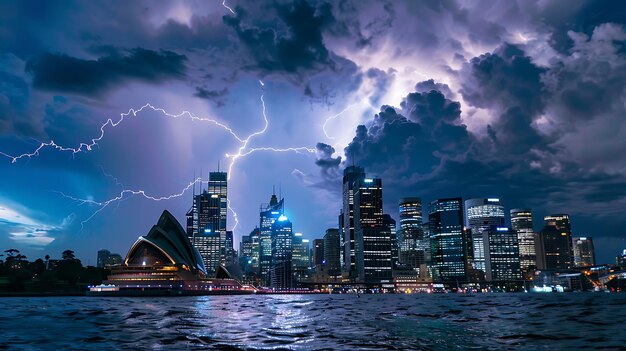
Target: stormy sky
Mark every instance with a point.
(132, 101)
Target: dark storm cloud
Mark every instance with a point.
(424, 150)
(413, 141)
(300, 49)
(59, 72)
(325, 157)
(509, 84)
(430, 84)
(217, 96)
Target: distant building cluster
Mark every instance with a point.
(107, 259)
(446, 243)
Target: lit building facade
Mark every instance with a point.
(164, 262)
(481, 214)
(281, 254)
(556, 243)
(351, 175)
(411, 243)
(268, 215)
(501, 247)
(300, 257)
(206, 223)
(318, 252)
(522, 223)
(390, 224)
(107, 259)
(584, 252)
(332, 251)
(447, 242)
(373, 245)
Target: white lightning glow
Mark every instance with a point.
(125, 193)
(88, 146)
(226, 6)
(337, 116)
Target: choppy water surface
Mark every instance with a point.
(318, 322)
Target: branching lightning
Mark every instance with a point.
(336, 116)
(122, 194)
(242, 151)
(88, 146)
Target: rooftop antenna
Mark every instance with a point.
(280, 190)
(273, 189)
(218, 164)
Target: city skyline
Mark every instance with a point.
(506, 100)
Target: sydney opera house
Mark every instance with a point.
(164, 262)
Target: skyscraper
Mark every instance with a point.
(206, 222)
(556, 242)
(103, 257)
(481, 214)
(447, 242)
(332, 251)
(300, 257)
(268, 215)
(281, 253)
(373, 248)
(584, 252)
(318, 252)
(254, 255)
(522, 223)
(245, 254)
(390, 224)
(502, 262)
(351, 175)
(411, 241)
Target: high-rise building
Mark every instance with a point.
(114, 259)
(481, 214)
(103, 257)
(281, 254)
(373, 248)
(332, 251)
(447, 242)
(390, 224)
(318, 252)
(107, 259)
(556, 243)
(351, 175)
(245, 254)
(502, 262)
(254, 242)
(411, 243)
(269, 214)
(300, 257)
(584, 252)
(620, 260)
(522, 223)
(206, 223)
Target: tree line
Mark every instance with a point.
(66, 275)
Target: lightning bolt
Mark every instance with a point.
(103, 204)
(88, 146)
(328, 119)
(243, 151)
(226, 6)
